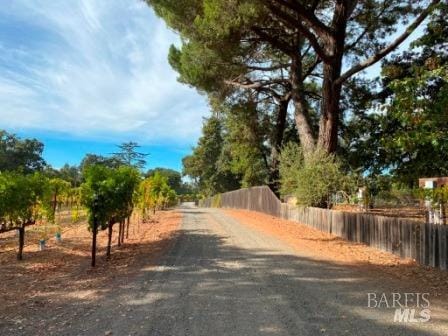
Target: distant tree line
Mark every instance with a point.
(25, 156)
(111, 188)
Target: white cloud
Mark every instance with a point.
(93, 68)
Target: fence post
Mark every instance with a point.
(442, 247)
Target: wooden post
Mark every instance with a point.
(443, 246)
(119, 232)
(95, 231)
(127, 227)
(21, 242)
(109, 239)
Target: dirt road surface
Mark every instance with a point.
(221, 277)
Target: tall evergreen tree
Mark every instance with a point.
(327, 42)
(130, 156)
(203, 164)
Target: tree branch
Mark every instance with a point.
(293, 22)
(271, 68)
(255, 85)
(366, 29)
(273, 41)
(391, 47)
(307, 16)
(5, 228)
(312, 67)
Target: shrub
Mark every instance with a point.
(291, 160)
(23, 199)
(313, 177)
(216, 201)
(155, 194)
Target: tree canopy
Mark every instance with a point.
(307, 50)
(406, 135)
(298, 66)
(20, 154)
(130, 156)
(23, 200)
(203, 165)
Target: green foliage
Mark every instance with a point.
(154, 193)
(291, 161)
(406, 138)
(71, 174)
(23, 199)
(270, 48)
(108, 194)
(393, 195)
(313, 177)
(203, 165)
(214, 59)
(21, 155)
(129, 155)
(436, 196)
(216, 201)
(243, 152)
(415, 125)
(59, 189)
(174, 179)
(94, 159)
(188, 198)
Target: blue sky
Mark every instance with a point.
(85, 75)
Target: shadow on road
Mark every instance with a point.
(208, 285)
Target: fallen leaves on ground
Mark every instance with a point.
(62, 271)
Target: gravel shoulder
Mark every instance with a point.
(326, 247)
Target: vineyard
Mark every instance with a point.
(108, 196)
(35, 289)
(53, 227)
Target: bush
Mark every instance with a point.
(155, 194)
(216, 201)
(312, 178)
(291, 160)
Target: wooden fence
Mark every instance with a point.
(260, 199)
(406, 238)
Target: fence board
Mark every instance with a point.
(426, 243)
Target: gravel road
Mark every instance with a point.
(222, 278)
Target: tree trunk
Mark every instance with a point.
(95, 231)
(122, 230)
(330, 112)
(278, 142)
(301, 114)
(127, 227)
(55, 202)
(21, 242)
(109, 239)
(120, 227)
(331, 92)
